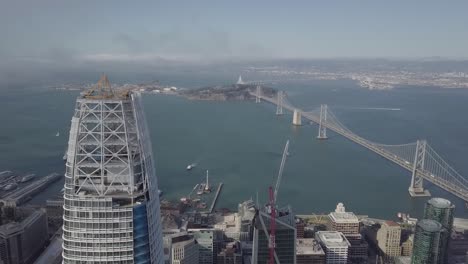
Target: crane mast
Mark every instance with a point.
(273, 194)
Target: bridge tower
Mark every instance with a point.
(258, 94)
(297, 118)
(322, 133)
(416, 188)
(279, 105)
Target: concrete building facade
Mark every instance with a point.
(335, 245)
(309, 251)
(388, 239)
(21, 242)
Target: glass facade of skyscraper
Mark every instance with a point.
(428, 242)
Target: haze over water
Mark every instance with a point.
(241, 144)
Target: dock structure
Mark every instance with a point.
(25, 193)
(215, 199)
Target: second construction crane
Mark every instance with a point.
(272, 211)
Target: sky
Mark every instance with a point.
(197, 30)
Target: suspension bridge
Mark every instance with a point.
(418, 157)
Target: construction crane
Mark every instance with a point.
(273, 194)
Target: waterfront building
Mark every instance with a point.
(309, 251)
(111, 201)
(388, 239)
(441, 210)
(347, 223)
(336, 246)
(22, 237)
(427, 242)
(285, 236)
(344, 222)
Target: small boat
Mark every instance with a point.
(58, 134)
(27, 178)
(10, 187)
(191, 166)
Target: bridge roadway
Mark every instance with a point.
(442, 183)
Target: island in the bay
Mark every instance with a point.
(229, 92)
(226, 92)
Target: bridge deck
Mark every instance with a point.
(446, 185)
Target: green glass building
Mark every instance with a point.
(441, 210)
(285, 237)
(428, 242)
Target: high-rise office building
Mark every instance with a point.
(427, 242)
(388, 239)
(111, 201)
(348, 224)
(344, 222)
(336, 246)
(441, 210)
(185, 252)
(209, 244)
(285, 238)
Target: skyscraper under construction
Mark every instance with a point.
(111, 201)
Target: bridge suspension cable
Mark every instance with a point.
(417, 157)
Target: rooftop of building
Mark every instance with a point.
(346, 217)
(403, 260)
(332, 238)
(440, 203)
(308, 246)
(229, 222)
(341, 216)
(429, 225)
(460, 223)
(391, 223)
(15, 219)
(103, 91)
